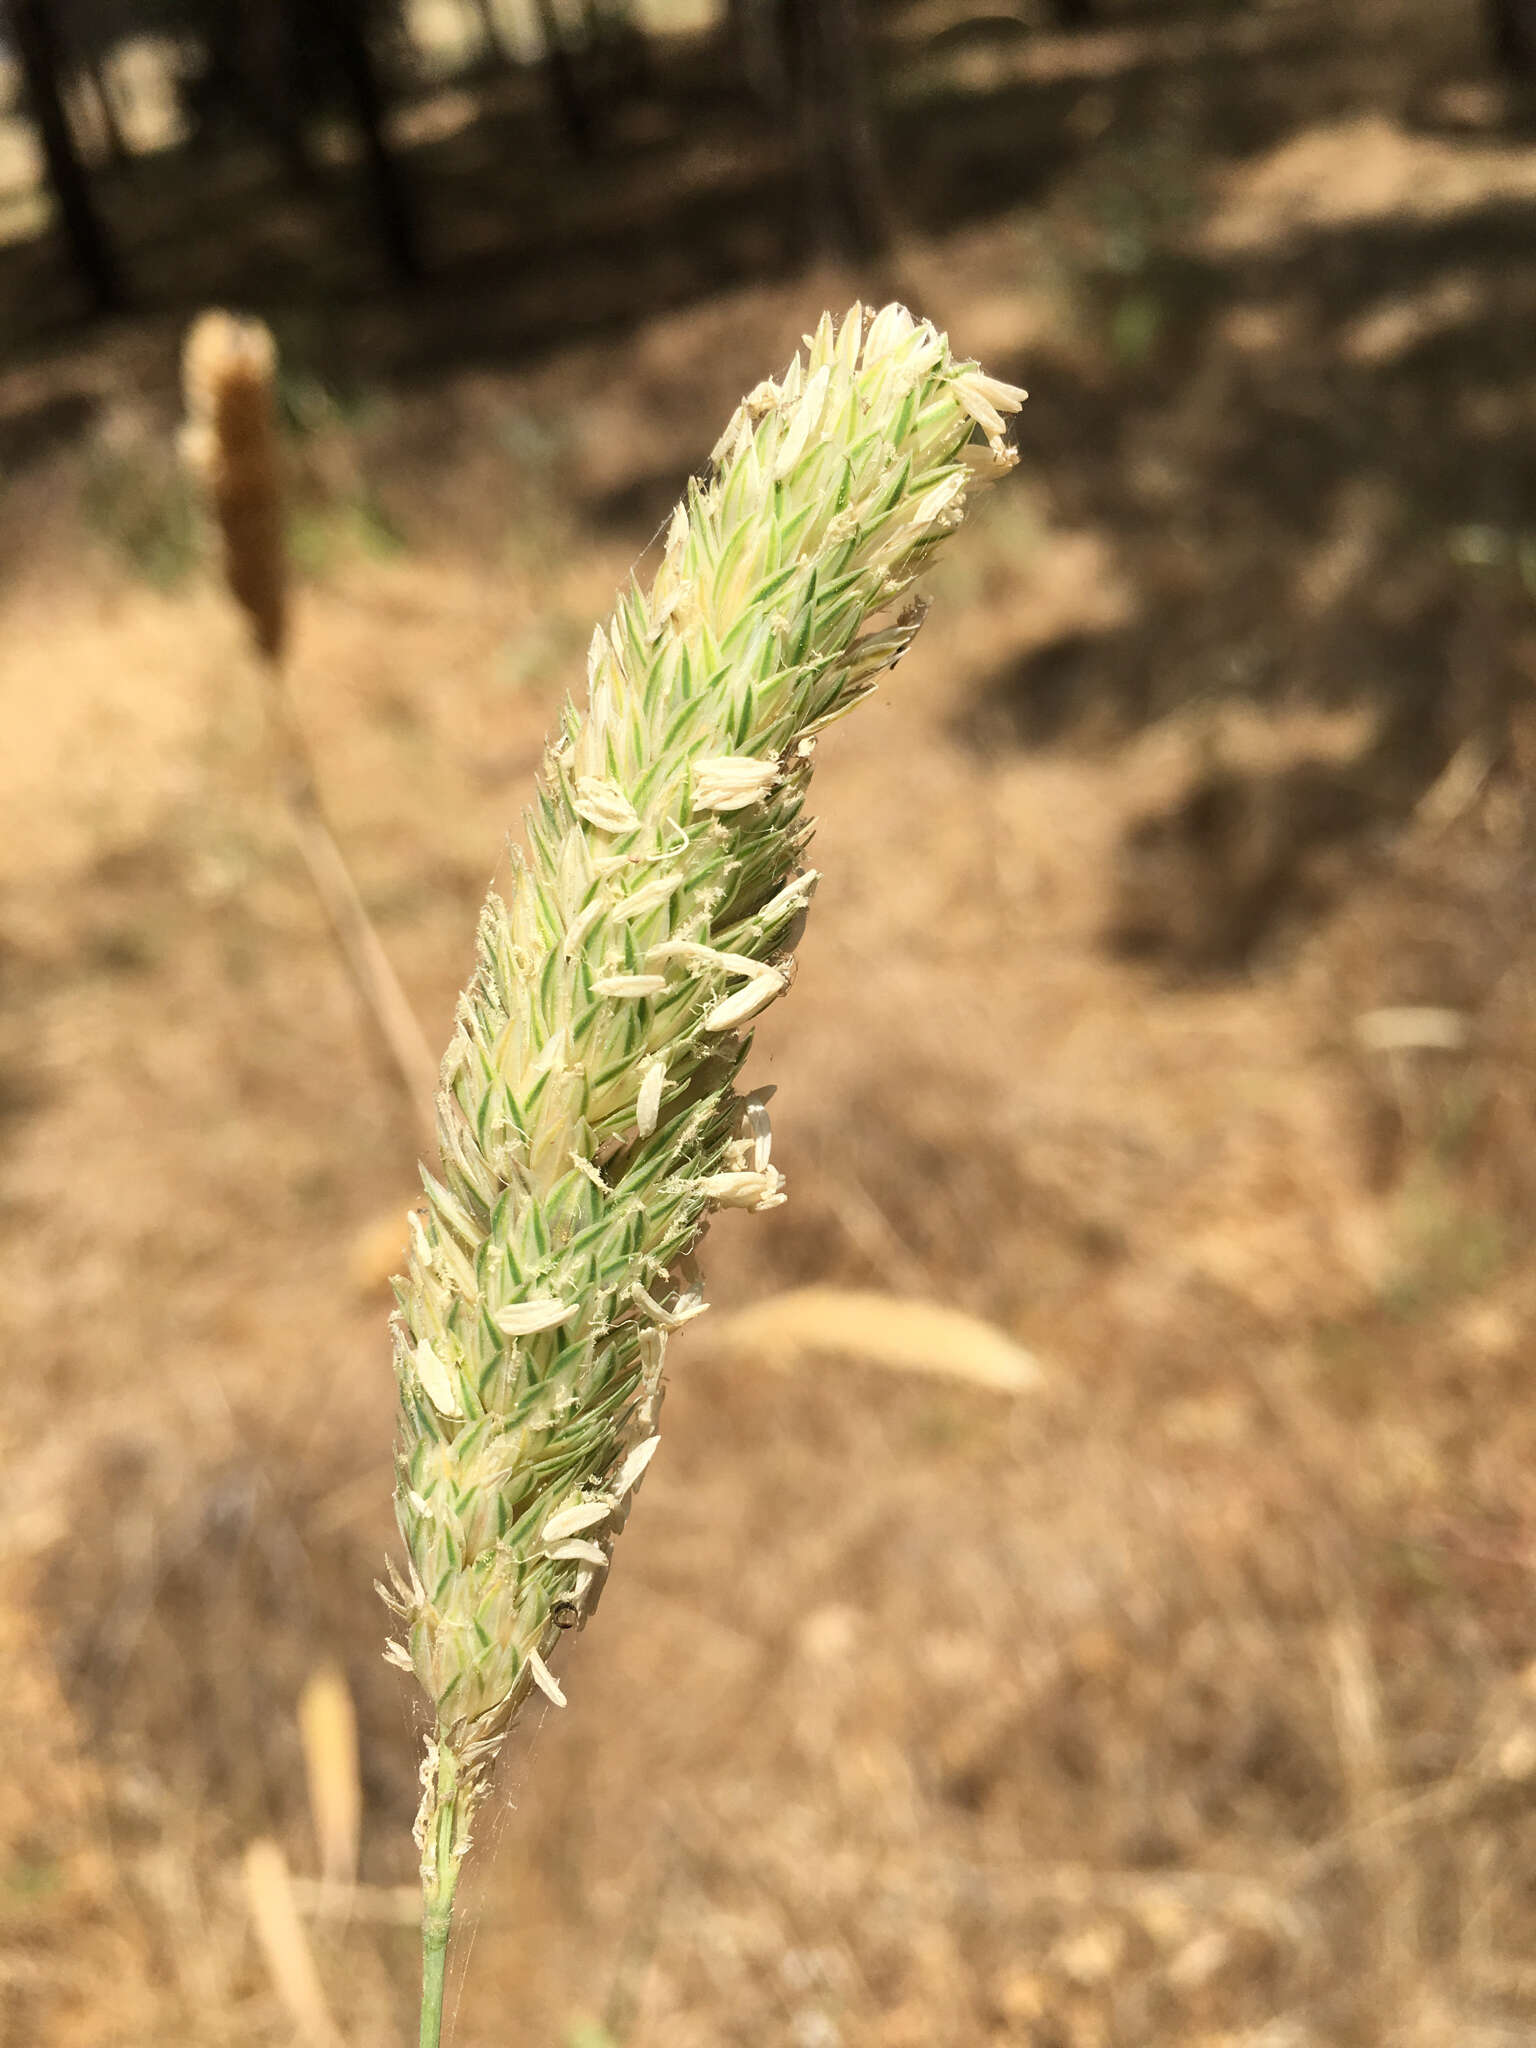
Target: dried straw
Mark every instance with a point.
(285, 1944)
(328, 1736)
(891, 1331)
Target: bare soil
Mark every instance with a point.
(1168, 1002)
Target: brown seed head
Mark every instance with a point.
(230, 444)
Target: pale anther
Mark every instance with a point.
(582, 1514)
(629, 985)
(744, 1189)
(436, 1382)
(527, 1318)
(648, 1100)
(699, 955)
(729, 782)
(745, 1004)
(545, 1679)
(683, 1310)
(633, 1467)
(603, 804)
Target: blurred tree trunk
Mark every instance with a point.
(756, 42)
(1512, 32)
(394, 210)
(843, 199)
(269, 57)
(492, 48)
(565, 88)
(256, 74)
(37, 49)
(94, 74)
(620, 47)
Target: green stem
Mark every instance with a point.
(439, 1879)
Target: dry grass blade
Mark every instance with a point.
(360, 945)
(1357, 1717)
(368, 1905)
(1456, 788)
(285, 1945)
(920, 1337)
(1412, 1028)
(328, 1732)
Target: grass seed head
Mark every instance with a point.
(588, 1118)
(229, 443)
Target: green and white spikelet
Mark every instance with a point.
(589, 1120)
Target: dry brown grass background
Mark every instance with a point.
(1187, 1698)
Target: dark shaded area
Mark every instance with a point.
(1225, 475)
(1215, 469)
(640, 506)
(1204, 883)
(41, 57)
(1512, 36)
(29, 432)
(844, 207)
(540, 223)
(200, 1571)
(342, 25)
(1305, 532)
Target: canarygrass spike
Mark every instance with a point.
(229, 442)
(588, 1117)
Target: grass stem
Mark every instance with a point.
(440, 1877)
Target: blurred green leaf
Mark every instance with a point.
(138, 500)
(1479, 547)
(1134, 328)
